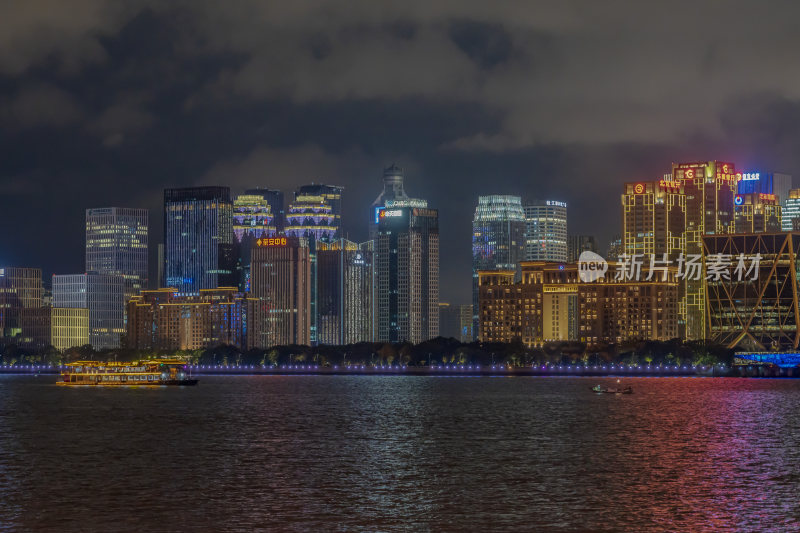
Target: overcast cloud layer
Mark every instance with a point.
(106, 103)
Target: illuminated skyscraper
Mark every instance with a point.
(116, 244)
(198, 238)
(311, 217)
(252, 219)
(709, 188)
(392, 196)
(765, 183)
(280, 271)
(345, 292)
(756, 213)
(103, 295)
(546, 231)
(653, 219)
(332, 195)
(498, 239)
(276, 205)
(791, 210)
(408, 274)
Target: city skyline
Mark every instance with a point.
(85, 123)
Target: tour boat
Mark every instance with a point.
(153, 372)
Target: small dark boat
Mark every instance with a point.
(617, 390)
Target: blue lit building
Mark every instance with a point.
(498, 240)
(790, 214)
(198, 239)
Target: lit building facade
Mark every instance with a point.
(20, 288)
(117, 244)
(408, 274)
(756, 213)
(546, 231)
(577, 244)
(198, 239)
(498, 238)
(755, 182)
(791, 210)
(61, 328)
(277, 207)
(393, 195)
(551, 303)
(345, 292)
(710, 188)
(332, 195)
(311, 217)
(759, 309)
(104, 297)
(163, 319)
(252, 219)
(653, 219)
(280, 272)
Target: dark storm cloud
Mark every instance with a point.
(106, 103)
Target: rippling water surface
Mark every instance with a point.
(350, 453)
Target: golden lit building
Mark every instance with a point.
(551, 303)
(59, 327)
(653, 218)
(654, 224)
(710, 188)
(280, 272)
(756, 213)
(163, 319)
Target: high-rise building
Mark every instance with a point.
(710, 188)
(577, 244)
(498, 239)
(276, 205)
(103, 295)
(280, 270)
(116, 244)
(60, 327)
(252, 219)
(311, 217)
(345, 292)
(546, 231)
(392, 196)
(408, 274)
(791, 210)
(20, 288)
(654, 226)
(198, 238)
(756, 213)
(332, 195)
(551, 303)
(163, 319)
(764, 183)
(653, 219)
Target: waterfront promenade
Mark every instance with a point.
(434, 370)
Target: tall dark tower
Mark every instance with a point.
(198, 238)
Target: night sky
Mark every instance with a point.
(106, 103)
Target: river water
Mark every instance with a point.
(401, 453)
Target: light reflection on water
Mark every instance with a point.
(388, 453)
